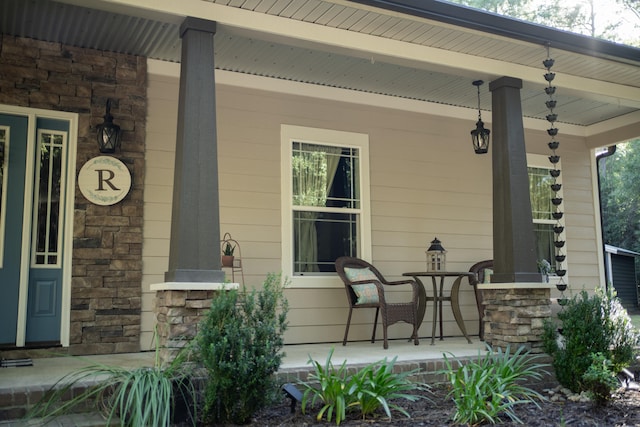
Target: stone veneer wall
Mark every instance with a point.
(179, 314)
(107, 246)
(516, 317)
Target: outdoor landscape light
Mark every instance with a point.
(480, 135)
(108, 133)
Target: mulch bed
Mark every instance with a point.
(623, 410)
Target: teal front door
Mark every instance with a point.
(33, 191)
(13, 146)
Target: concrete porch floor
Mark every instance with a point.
(25, 383)
(46, 371)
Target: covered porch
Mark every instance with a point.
(225, 82)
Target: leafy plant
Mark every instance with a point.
(143, 396)
(590, 324)
(333, 390)
(493, 385)
(599, 380)
(229, 249)
(370, 388)
(377, 386)
(544, 267)
(239, 344)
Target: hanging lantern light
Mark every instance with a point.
(436, 256)
(480, 135)
(108, 133)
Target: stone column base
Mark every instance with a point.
(179, 308)
(514, 314)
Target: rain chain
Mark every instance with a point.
(557, 214)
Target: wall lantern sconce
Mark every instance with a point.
(108, 133)
(480, 135)
(436, 256)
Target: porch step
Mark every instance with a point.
(71, 420)
(15, 401)
(15, 363)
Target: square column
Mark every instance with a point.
(194, 254)
(514, 249)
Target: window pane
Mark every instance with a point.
(47, 203)
(3, 147)
(541, 193)
(325, 176)
(544, 243)
(320, 238)
(54, 197)
(3, 175)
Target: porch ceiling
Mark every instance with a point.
(409, 56)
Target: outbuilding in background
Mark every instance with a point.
(621, 272)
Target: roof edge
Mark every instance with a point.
(620, 251)
(489, 22)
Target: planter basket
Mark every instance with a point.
(234, 262)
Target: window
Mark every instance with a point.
(541, 206)
(325, 201)
(47, 219)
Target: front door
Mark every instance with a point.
(33, 199)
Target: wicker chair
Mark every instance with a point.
(358, 274)
(479, 269)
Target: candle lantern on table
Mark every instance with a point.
(436, 256)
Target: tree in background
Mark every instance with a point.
(632, 6)
(620, 196)
(578, 16)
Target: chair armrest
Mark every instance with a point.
(400, 282)
(413, 283)
(364, 282)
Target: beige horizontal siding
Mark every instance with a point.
(425, 182)
(162, 93)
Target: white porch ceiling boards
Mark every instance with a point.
(348, 45)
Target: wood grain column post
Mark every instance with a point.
(194, 254)
(514, 247)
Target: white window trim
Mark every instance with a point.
(542, 161)
(288, 134)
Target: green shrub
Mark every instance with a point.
(589, 324)
(368, 389)
(239, 344)
(599, 380)
(492, 385)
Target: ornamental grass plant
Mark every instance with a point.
(144, 396)
(491, 386)
(370, 388)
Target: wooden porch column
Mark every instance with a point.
(514, 249)
(194, 254)
(516, 303)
